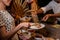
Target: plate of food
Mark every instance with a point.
(37, 26)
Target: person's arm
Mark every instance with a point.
(50, 15)
(56, 15)
(42, 9)
(45, 8)
(6, 35)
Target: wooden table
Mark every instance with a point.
(53, 31)
(50, 31)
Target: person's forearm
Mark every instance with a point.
(13, 31)
(56, 15)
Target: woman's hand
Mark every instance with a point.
(45, 18)
(24, 24)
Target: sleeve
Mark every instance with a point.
(47, 7)
(1, 20)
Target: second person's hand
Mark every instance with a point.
(45, 18)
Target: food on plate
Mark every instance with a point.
(36, 25)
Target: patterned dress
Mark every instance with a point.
(7, 20)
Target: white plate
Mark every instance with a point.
(34, 27)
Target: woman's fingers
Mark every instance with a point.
(24, 24)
